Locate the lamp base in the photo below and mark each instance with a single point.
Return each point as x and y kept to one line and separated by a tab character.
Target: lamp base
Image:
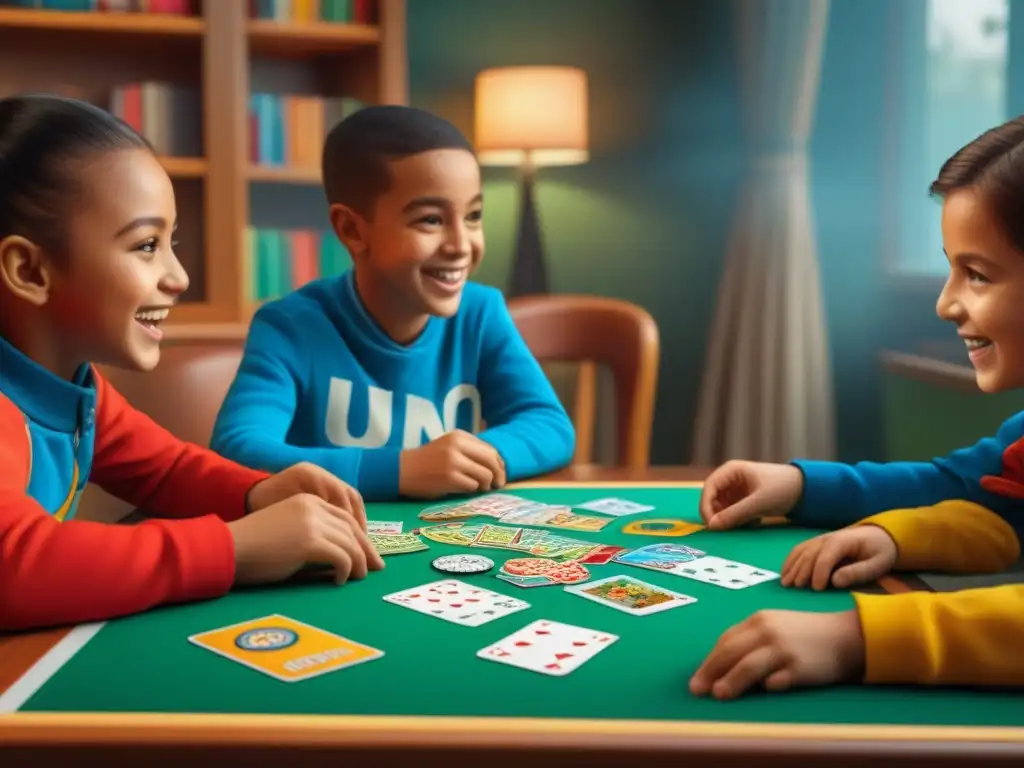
529	272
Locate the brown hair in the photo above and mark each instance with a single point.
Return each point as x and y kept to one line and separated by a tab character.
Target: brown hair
993	164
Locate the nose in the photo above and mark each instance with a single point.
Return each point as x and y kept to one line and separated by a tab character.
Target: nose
947	306
458	241
175	280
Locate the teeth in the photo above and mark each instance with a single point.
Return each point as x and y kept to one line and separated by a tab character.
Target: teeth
446	275
152	315
977	343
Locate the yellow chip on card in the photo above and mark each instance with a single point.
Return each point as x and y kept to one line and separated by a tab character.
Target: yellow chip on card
285	648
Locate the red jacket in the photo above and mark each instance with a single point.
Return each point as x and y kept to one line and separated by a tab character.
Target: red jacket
54	573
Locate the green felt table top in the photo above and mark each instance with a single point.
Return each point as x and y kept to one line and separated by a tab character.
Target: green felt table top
144	663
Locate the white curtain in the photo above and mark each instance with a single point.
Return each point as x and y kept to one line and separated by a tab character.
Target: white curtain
767	391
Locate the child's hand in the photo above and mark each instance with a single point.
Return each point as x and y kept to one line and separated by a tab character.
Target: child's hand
456	462
782	649
739	492
867	552
280	539
308	478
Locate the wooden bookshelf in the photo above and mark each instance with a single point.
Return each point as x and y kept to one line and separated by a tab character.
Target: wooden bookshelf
87	54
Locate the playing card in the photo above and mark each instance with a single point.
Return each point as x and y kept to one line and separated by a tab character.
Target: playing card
383	526
459	534
284	648
724	573
396	543
614	507
660	557
630	595
601	555
497	536
457	602
548	647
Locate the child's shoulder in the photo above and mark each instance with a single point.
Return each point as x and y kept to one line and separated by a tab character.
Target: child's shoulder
478	299
309	303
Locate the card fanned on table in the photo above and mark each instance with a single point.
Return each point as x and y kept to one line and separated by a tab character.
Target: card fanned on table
548	647
695	564
396	543
513	509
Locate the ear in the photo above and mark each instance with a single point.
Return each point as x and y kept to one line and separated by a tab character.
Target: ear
351	228
24	270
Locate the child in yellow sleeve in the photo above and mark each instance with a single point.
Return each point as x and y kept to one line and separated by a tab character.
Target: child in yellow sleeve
962	512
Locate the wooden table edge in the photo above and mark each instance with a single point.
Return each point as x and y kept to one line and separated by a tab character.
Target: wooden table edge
353	731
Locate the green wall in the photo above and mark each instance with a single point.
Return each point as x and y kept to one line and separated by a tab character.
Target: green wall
647	218
925	420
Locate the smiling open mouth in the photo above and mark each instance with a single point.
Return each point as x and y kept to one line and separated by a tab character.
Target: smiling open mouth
151	319
446	276
977	343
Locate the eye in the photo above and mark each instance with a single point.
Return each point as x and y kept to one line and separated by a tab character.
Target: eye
432	219
149	246
974	275
475	216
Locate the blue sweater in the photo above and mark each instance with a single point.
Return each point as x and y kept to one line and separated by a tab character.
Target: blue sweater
321	382
989	473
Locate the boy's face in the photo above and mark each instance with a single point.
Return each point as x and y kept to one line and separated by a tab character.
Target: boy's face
426	235
984	294
112	289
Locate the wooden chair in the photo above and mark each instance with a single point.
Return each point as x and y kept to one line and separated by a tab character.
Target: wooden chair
593	330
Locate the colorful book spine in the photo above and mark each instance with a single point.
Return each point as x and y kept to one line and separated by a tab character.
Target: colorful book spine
312	11
173	7
289	131
279	261
169	116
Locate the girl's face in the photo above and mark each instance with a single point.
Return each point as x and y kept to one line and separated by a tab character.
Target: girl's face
113	287
984	294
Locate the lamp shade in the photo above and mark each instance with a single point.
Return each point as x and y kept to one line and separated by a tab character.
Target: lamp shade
534	114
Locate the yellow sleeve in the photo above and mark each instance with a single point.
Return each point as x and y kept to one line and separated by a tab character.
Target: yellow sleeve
952	536
973	637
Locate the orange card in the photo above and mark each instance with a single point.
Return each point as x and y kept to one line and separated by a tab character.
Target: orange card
285	648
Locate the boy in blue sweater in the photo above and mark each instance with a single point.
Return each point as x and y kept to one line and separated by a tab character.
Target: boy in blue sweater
386	375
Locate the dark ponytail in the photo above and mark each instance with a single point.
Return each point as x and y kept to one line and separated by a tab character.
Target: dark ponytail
993	164
41	137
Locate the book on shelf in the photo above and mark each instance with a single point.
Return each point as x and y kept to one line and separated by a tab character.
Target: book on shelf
173	7
168	115
277	261
289	130
312	11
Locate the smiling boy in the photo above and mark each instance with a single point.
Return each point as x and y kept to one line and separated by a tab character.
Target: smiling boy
386	375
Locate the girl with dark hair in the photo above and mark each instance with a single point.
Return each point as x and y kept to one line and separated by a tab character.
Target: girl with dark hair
960	513
88	275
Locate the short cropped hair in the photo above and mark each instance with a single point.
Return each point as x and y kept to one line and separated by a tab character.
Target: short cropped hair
993	164
358	149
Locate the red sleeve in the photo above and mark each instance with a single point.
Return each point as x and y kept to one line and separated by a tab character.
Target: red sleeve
54	573
139	461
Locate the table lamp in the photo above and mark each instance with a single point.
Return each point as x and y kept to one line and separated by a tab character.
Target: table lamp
530	117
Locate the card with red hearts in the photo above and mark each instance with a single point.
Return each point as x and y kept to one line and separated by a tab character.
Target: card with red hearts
457	602
548	647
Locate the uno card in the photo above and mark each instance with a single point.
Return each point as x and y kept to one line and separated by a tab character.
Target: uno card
615	507
284	648
630	595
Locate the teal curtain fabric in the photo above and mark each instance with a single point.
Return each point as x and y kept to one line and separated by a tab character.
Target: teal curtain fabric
766	390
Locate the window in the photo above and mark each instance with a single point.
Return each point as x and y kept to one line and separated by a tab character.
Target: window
954	87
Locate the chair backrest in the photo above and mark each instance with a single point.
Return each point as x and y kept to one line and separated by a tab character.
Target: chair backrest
183	395
593	330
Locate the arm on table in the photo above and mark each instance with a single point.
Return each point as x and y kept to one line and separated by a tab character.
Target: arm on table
953	536
253	422
526	422
54	573
973	637
836	495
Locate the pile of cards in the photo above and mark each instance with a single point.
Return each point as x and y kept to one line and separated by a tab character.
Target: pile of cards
614	507
697	565
513	509
515	539
458	602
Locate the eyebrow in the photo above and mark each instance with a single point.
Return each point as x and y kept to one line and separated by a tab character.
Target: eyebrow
143	221
435	202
